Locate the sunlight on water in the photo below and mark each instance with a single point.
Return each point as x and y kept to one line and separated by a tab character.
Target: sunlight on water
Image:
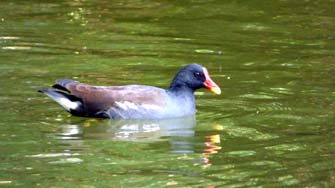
249	133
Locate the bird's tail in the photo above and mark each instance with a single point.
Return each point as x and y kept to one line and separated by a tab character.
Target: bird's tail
71	103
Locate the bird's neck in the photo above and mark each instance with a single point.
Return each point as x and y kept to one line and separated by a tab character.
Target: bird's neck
179	88
181	91
184	98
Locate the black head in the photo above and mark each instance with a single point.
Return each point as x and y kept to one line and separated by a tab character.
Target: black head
192	77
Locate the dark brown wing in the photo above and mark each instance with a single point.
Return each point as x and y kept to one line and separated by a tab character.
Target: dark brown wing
99	98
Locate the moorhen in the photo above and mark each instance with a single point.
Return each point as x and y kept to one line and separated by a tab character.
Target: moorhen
133	101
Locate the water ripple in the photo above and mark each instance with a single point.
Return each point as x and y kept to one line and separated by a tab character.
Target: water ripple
247	132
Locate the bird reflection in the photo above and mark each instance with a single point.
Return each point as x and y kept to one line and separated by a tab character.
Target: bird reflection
177	131
212	144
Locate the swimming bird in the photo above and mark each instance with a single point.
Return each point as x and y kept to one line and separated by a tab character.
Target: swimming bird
134	101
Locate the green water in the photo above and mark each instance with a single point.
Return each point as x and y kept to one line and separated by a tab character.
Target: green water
273	125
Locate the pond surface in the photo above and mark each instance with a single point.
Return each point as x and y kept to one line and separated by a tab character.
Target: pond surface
273	125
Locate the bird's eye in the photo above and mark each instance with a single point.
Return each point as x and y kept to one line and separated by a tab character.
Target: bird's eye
197	74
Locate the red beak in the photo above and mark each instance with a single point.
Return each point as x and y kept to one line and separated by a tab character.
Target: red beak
210	84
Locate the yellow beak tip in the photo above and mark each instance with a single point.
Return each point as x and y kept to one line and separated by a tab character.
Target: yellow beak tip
216	90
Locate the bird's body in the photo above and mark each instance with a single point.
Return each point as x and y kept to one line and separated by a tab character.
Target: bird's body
130	101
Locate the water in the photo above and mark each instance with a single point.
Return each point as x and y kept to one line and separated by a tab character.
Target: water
273	125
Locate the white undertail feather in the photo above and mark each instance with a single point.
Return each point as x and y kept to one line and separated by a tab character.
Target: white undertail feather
64	102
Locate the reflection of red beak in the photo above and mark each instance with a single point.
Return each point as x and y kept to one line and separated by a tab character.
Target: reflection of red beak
210	84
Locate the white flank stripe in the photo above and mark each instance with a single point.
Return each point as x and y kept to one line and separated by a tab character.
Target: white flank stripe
127	105
131	105
121	105
151	107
